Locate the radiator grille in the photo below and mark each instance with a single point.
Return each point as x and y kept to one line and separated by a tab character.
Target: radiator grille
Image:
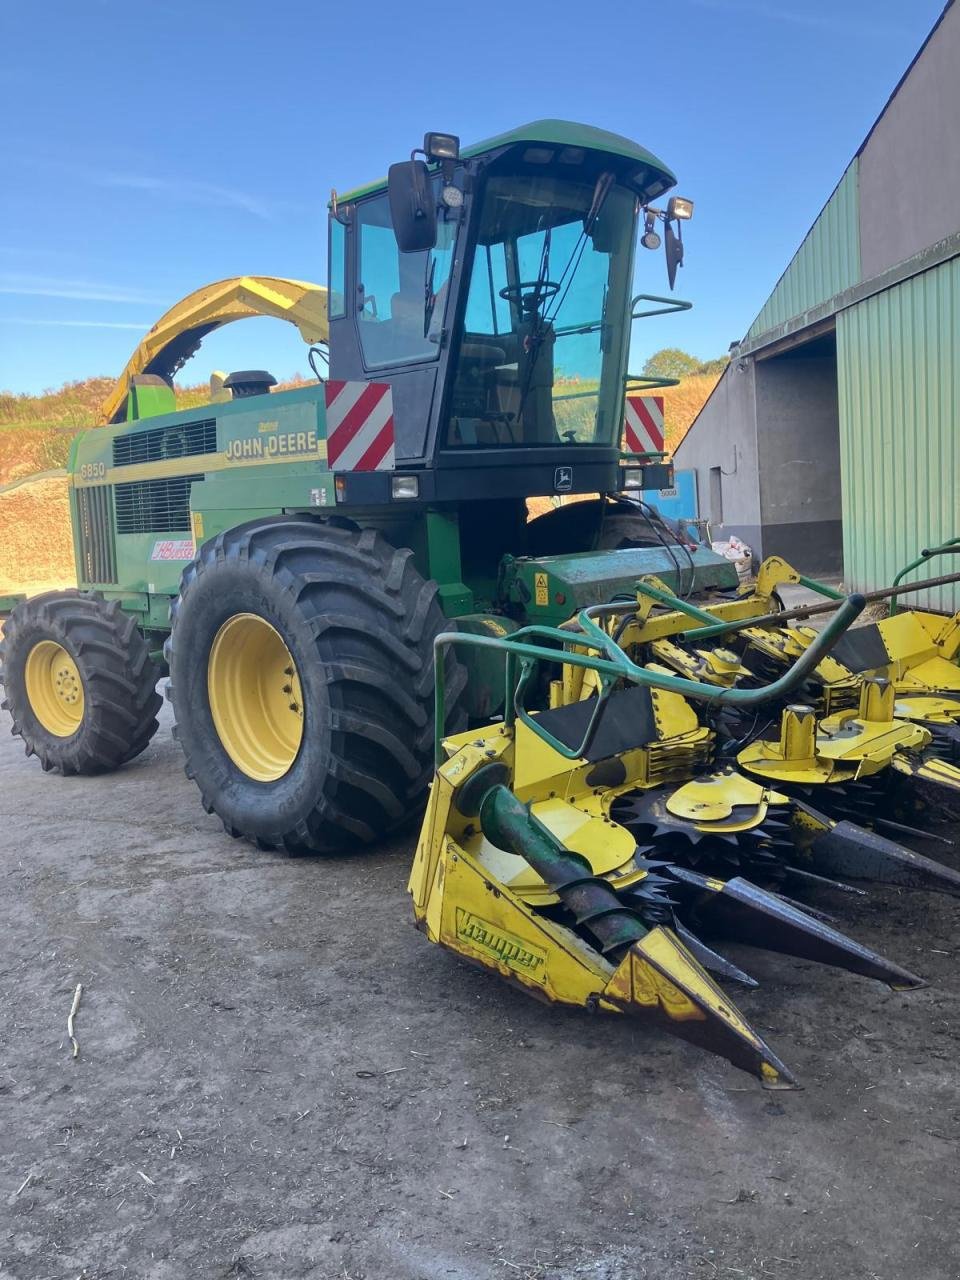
159	443
94	519
154	506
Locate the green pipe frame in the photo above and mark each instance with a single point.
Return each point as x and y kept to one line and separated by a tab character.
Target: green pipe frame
951	547
611	664
712	628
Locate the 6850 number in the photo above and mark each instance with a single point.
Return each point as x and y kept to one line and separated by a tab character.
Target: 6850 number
93	470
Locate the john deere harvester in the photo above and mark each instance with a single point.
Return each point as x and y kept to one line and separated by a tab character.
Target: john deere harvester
341	577
291	556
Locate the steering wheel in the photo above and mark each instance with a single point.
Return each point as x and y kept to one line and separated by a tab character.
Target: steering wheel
530	293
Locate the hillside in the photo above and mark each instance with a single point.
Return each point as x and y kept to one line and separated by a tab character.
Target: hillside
35	433
36	550
684	402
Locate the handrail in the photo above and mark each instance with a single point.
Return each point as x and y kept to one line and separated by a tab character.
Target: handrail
667	305
612	664
645	381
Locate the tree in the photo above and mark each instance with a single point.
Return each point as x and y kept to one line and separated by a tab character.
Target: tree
671	362
714	366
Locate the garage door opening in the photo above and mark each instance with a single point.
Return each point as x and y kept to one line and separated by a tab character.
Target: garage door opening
798	438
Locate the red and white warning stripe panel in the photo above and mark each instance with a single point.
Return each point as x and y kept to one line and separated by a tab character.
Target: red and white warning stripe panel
360	433
643	424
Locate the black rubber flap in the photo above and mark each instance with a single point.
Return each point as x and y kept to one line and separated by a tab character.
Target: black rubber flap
861	649
626	722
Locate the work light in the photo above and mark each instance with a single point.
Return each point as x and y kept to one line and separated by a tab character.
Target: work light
680	207
441	146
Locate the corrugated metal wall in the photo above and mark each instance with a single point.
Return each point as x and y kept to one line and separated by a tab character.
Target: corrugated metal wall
898	370
826	263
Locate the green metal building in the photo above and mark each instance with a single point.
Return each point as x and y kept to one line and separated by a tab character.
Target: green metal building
833	438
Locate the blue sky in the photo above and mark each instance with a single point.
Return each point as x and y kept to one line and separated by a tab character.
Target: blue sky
149	149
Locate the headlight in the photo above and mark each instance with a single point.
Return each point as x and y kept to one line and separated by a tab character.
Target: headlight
633	478
404	487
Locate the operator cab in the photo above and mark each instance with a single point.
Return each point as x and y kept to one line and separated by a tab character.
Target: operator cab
492	290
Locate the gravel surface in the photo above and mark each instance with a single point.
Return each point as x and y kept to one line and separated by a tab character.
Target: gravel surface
278	1077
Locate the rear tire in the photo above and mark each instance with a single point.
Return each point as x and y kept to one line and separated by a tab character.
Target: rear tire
78	681
324	741
629	529
592	526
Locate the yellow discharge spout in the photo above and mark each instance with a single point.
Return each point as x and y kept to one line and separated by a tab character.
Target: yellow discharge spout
178	333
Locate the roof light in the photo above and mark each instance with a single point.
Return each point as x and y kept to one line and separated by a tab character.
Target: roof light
441	146
538	155
679	207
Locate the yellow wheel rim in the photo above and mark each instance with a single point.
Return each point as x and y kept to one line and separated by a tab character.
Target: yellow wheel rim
54	688
255	697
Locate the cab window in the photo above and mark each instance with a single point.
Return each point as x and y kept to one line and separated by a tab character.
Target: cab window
337	292
401	296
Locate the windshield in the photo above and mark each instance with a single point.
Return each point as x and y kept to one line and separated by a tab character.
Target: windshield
544	332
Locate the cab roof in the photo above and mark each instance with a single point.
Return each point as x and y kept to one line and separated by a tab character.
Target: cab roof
564	133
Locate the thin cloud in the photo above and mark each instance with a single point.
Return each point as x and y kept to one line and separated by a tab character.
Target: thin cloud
77	324
34	286
174	189
774	12
187	190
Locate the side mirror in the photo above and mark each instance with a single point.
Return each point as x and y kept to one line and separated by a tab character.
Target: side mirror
413	209
673	247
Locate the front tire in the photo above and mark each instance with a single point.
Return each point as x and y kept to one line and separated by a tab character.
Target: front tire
301	676
78	681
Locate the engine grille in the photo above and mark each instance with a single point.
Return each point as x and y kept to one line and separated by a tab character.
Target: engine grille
95	534
154	506
159	443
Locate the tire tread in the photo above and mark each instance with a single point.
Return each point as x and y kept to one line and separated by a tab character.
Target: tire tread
119	679
372	619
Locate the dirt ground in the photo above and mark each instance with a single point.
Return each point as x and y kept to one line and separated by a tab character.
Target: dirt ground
278	1078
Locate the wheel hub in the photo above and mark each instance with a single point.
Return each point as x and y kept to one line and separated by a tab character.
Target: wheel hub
54	688
256	700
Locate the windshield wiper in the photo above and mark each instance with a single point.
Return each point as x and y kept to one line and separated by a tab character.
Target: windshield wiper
429	297
601	190
600	193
